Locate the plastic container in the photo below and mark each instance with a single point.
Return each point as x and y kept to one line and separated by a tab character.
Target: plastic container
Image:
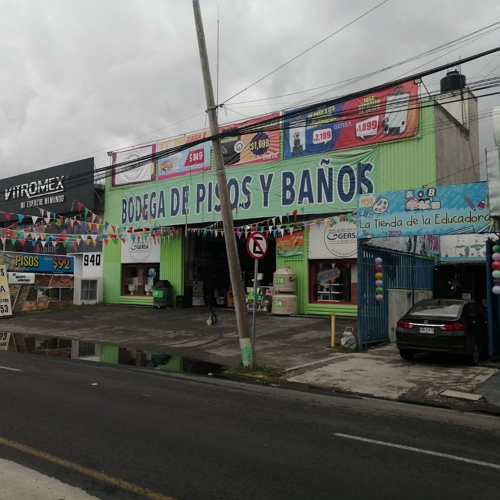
284	280
285	304
163	294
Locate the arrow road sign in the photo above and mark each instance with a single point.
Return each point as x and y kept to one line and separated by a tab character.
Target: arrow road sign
257	245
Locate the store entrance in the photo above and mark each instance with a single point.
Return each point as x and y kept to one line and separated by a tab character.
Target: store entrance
207	269
461	281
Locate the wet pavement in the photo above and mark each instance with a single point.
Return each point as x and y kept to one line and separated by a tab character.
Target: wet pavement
287	342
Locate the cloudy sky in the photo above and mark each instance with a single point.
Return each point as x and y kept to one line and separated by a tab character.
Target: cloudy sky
80	78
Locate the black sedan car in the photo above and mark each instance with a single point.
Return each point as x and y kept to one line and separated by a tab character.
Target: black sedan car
443	325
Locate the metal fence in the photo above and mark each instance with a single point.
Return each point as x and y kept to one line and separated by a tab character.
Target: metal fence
493	304
401	272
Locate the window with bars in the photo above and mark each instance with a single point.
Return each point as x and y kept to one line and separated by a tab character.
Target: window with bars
88	290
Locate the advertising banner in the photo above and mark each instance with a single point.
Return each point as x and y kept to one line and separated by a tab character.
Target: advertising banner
308	185
49	264
54	189
251	148
128	175
291	245
21	278
5	305
455	209
463	248
383	116
421	245
189	161
337	241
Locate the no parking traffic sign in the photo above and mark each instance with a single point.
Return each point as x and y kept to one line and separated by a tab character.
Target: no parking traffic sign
257	245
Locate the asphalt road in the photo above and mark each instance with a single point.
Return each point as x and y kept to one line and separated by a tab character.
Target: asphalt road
143	434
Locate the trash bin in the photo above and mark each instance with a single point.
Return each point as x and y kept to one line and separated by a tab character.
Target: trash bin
163	294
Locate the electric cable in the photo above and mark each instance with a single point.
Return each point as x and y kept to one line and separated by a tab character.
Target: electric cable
307	50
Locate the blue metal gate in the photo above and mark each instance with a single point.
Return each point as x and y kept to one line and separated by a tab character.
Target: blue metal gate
493	304
400	271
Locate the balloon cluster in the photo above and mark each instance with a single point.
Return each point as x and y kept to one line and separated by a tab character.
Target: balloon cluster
379	284
495	265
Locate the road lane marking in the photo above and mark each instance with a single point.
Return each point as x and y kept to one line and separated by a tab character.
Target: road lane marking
12	369
418	450
86	471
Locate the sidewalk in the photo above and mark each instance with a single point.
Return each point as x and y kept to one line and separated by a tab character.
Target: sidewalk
19	482
380	372
283	341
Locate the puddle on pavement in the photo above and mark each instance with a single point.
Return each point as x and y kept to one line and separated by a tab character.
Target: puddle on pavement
74	349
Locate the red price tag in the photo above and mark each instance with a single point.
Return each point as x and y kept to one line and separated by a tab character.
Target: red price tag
195	157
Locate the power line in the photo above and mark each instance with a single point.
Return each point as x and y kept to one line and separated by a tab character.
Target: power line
307	50
494	26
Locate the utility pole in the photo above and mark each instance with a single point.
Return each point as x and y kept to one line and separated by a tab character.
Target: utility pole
242	320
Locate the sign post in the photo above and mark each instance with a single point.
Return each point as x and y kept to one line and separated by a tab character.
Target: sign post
257	249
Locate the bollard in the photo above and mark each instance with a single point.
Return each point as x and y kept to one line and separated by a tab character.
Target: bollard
332	330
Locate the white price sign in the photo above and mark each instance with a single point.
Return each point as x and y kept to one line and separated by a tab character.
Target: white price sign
4	340
5	306
367	127
322	136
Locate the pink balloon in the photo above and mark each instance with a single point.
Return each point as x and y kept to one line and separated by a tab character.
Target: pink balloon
378	298
496	257
496	290
378	268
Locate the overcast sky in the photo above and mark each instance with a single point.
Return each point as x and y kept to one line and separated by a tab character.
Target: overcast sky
80	78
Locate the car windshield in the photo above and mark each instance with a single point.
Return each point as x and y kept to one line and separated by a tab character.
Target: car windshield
436	310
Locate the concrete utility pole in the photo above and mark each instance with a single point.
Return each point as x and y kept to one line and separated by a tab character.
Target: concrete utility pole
227	216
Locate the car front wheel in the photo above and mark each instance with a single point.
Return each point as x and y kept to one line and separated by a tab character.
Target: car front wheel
405	354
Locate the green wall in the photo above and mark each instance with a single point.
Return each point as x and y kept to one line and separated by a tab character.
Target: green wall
111	272
109	354
174	364
409	163
172	263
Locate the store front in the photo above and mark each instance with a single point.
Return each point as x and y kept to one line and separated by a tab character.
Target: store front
298	181
392	281
140	269
461	269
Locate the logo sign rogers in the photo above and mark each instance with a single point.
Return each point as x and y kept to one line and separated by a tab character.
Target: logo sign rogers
340	239
140	251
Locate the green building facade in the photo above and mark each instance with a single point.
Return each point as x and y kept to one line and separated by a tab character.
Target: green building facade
193	241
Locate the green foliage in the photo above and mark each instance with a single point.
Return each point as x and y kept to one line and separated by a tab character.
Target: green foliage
259	371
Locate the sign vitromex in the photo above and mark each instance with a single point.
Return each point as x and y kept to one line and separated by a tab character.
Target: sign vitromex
53	189
49	189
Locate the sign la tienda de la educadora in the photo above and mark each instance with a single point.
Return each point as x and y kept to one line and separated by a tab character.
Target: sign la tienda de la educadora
319	183
454	209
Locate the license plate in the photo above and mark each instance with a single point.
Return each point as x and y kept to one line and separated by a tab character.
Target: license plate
426	329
